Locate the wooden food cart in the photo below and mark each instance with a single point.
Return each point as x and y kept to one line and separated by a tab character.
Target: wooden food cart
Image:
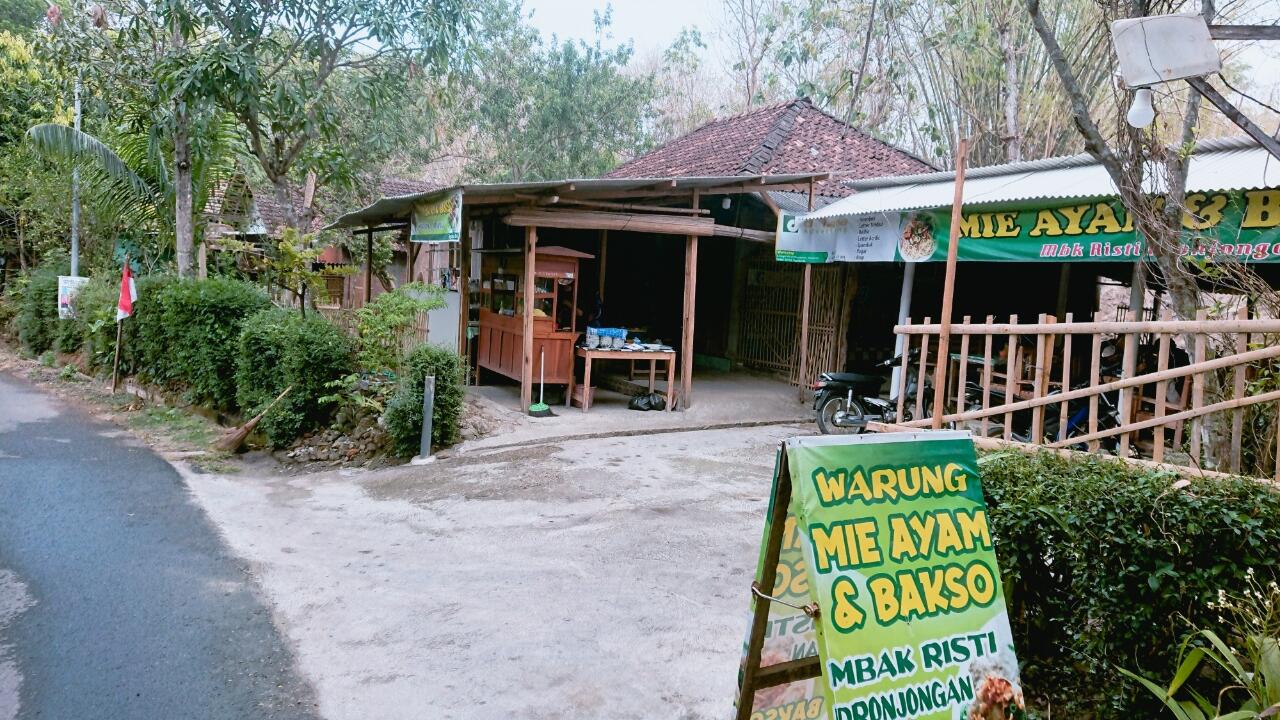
555	312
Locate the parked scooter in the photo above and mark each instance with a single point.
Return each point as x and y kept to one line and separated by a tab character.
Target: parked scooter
846	402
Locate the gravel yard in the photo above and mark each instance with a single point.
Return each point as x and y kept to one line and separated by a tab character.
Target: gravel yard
594	578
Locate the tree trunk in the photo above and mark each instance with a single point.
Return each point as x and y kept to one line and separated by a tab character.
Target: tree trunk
183	224
22	244
184	230
1012	132
285	200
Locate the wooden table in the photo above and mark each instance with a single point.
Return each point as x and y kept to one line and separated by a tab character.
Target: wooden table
653	356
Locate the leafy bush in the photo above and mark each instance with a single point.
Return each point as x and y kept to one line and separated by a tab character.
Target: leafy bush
188	333
381	324
1106	566
404	412
37	319
279	348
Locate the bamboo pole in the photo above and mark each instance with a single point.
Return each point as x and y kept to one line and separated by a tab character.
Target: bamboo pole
1162	392
1094	390
690	314
1197	391
962	376
1237	391
1095	367
1063	409
902	376
805	291
1126	396
1012	373
921	374
1184	415
986	376
949	287
1145	327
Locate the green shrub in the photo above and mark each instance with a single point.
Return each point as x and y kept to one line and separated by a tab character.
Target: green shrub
279	348
186	333
1106	566
404	412
381	324
37	319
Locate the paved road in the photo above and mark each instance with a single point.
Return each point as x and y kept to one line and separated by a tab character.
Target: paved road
118	599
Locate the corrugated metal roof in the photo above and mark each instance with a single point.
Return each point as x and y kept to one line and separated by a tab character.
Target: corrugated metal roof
398	208
1224	164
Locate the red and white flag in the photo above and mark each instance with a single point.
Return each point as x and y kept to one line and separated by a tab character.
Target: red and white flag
128	294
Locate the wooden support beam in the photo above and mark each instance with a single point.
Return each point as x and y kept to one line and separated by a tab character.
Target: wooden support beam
1237	391
690	311
763	236
604	261
368	266
595	220
948	286
1244	32
604	204
526	361
767	199
464	295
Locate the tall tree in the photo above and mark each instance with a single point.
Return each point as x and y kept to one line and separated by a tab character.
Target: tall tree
553	109
278	65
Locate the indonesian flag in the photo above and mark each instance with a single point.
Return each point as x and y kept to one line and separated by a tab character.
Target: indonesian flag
128	294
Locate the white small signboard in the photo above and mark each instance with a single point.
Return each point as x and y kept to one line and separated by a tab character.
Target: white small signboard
68	286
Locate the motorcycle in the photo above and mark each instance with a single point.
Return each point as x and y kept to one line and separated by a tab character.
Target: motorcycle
846	402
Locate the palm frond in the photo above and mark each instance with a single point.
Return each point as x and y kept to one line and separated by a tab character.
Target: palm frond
68	143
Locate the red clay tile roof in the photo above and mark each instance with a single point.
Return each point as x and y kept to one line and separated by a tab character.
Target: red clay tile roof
789	137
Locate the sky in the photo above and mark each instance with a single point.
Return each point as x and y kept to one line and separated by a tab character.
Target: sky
651	24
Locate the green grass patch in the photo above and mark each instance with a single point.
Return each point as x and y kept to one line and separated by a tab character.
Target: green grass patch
178	425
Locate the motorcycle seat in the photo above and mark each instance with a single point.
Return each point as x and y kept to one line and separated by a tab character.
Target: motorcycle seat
852	378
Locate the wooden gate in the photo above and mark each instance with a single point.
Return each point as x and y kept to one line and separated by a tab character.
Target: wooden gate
769	318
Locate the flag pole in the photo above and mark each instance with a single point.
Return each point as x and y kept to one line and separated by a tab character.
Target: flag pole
115	366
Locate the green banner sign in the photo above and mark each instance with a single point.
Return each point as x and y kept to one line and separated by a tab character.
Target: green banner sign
438	219
1240	225
912	620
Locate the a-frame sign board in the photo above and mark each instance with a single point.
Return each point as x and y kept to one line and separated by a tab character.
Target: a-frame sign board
882	542
754	677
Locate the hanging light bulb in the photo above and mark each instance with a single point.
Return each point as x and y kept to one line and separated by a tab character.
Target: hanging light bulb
1141	113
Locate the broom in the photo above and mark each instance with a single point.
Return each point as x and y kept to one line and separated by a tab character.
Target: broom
234	438
541	409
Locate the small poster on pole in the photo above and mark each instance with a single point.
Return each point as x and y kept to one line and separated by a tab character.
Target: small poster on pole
903	587
68	286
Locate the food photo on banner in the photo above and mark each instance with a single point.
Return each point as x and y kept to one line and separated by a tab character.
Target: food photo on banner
897	564
1240	225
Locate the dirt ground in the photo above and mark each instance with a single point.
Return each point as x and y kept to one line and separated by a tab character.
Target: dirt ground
603	578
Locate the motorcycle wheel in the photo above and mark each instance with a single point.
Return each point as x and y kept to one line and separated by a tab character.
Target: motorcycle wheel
854	420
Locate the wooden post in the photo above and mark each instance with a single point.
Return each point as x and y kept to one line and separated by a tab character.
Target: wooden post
1012	376
963	375
1063	414
464	296
526	360
604	261
690	307
986	374
806	288
1162	392
202	260
368	265
921	372
1095	364
115	364
948	288
1064	289
1127	369
1197	391
1237	392
901	384
806	284
1038	380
